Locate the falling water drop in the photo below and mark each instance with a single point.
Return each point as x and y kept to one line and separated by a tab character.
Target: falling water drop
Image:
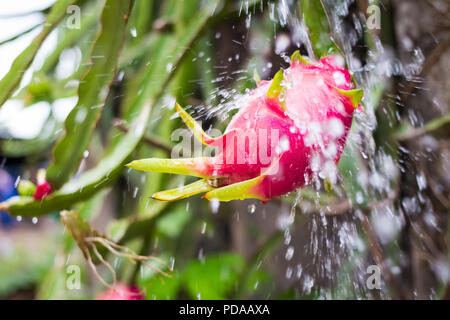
16	183
289	253
214	205
308	283
172	263
201	256
203	228
248	21
359	197
288	272
287	237
169	67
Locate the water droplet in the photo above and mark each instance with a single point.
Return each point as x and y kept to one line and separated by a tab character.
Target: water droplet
359	197
203	228
299	271
16	183
289	253
282	43
172	263
288	272
214	205
335	127
339	78
169	67
284	143
251	209
308	283
287	237
248	21
34	220
421	181
201	256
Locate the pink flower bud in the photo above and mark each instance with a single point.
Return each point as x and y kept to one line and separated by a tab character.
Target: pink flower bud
42	190
121	292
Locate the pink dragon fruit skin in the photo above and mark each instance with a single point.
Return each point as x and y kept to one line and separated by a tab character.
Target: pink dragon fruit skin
309	105
121	292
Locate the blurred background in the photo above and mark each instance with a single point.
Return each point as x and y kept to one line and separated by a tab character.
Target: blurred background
87	86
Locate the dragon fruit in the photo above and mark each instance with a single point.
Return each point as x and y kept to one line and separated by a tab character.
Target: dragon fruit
286	132
121	292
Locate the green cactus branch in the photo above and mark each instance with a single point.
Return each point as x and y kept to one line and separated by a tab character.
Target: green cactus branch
109	168
81	121
12	79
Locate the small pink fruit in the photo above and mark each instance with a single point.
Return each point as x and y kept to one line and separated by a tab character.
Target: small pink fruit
42	190
286	132
121	292
43	187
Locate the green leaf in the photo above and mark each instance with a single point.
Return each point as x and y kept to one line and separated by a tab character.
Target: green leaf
213	278
319	30
160	288
81	121
12	79
172	224
142	18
